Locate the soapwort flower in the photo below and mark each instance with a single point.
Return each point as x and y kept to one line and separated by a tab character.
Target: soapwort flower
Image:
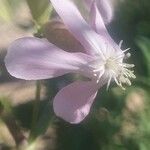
102	61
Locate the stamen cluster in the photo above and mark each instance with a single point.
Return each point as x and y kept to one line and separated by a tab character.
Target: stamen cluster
113	68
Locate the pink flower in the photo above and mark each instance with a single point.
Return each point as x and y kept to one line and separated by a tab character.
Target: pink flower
32	58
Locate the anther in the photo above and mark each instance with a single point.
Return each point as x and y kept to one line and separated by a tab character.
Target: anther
128	55
128	65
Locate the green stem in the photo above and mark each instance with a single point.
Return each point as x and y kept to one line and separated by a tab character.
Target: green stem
35	110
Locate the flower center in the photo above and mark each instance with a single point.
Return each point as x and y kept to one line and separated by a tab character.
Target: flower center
113	68
111	64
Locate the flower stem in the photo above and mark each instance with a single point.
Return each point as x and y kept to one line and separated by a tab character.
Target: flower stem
35	110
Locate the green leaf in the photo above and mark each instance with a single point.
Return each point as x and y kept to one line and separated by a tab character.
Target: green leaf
144	45
40	10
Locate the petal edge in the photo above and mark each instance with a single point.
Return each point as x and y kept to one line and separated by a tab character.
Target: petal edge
74	101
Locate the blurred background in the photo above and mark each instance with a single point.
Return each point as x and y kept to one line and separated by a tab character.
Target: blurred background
119	120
